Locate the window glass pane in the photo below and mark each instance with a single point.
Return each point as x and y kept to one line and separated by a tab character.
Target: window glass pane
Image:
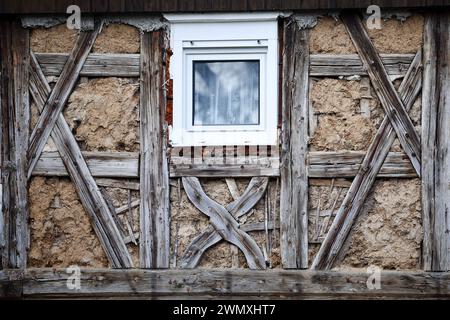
226	92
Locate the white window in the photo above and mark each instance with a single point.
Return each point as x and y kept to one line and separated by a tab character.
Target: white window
225	79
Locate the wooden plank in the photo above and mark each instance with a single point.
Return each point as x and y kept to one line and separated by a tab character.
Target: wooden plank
88	191
268	167
224	223
391	102
154	172
435	143
335	65
259	226
96	65
118	183
251	196
101	164
353	203
235	193
341	183
14	121
346	164
220	162
201	6
60	94
204	283
294	145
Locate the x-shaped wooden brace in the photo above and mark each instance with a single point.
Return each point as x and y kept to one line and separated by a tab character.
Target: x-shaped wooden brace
51	122
395	123
223	222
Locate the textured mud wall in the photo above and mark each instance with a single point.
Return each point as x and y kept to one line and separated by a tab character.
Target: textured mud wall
340	124
395	36
114	38
61	234
388	234
188	222
103	115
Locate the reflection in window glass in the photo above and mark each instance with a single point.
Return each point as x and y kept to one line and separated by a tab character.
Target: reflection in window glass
226	92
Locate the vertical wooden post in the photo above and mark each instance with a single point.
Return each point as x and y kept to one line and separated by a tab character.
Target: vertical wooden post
436	143
15	116
154	175
294	146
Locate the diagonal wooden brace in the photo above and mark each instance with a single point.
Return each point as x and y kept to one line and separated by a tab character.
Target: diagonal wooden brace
224	223
54	104
87	189
390	100
253	193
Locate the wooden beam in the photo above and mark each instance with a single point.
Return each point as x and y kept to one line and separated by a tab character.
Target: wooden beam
154	173
96	65
335	65
14	128
226	284
247	167
294	145
88	191
436	143
353	203
391	102
346	164
101	164
224	223
118	183
54	105
238	208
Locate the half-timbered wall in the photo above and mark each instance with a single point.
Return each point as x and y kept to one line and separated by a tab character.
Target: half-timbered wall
102	187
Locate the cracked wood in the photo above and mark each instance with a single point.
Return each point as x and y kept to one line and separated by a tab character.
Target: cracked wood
154	239
370	167
390	100
55	103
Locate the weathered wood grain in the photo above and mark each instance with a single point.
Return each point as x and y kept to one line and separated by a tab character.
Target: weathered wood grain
294	145
234	191
435	143
96	65
88	191
14	122
101	164
249	284
259	226
223	223
390	100
154	173
251	166
250	197
345	164
335	65
353	203
60	94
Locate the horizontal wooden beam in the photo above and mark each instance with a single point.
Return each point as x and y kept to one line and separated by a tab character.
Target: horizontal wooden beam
101	164
96	65
127	65
345	164
185	284
251	166
321	164
329	65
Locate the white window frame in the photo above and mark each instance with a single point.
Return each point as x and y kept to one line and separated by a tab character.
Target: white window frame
217	36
